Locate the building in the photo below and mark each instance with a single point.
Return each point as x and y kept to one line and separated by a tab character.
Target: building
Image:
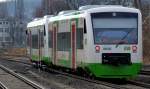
5	37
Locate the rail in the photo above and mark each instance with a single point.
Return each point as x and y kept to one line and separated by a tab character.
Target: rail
27	81
2	86
145	72
142	84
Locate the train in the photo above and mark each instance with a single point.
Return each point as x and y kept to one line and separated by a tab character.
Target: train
103	41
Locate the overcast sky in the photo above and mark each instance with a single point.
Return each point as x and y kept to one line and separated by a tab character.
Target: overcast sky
29	6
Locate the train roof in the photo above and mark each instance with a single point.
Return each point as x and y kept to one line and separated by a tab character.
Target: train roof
81	13
39	21
92	9
110	8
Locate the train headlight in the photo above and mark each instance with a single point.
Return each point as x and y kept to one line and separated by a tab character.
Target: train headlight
97	48
134	49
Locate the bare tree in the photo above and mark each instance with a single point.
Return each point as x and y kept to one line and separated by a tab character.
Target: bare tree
138	4
19	23
146	34
51	7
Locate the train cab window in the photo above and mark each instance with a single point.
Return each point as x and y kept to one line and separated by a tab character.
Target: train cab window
64	41
79	38
115	28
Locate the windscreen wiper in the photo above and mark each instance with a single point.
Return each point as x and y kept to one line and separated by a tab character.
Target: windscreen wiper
120	42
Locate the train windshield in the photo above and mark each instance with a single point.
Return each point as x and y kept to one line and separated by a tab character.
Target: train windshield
115	28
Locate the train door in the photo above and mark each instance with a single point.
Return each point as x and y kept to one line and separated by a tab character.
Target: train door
39	48
73	44
54	49
50	42
35	44
41	44
29	43
80	30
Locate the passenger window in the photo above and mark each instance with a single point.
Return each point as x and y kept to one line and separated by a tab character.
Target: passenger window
44	31
85	27
79	38
50	39
64	41
42	38
35	41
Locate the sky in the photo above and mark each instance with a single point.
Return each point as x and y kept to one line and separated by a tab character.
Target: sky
29	7
2	0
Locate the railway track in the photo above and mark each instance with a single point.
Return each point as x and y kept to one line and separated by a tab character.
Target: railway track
115	86
145	72
108	84
15	81
138	83
13	60
2	86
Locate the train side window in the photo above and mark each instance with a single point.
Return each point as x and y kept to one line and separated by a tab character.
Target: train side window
85	26
42	38
26	32
28	39
50	39
64	41
44	31
35	41
79	38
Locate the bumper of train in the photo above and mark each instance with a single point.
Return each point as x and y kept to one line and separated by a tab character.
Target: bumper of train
110	71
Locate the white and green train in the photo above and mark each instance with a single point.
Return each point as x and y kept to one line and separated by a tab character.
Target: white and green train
104	41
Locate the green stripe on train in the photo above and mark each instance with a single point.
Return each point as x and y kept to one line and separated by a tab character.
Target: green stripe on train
46	60
35	58
64	62
103	70
108	71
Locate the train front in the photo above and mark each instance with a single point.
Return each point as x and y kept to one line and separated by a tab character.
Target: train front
116	48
